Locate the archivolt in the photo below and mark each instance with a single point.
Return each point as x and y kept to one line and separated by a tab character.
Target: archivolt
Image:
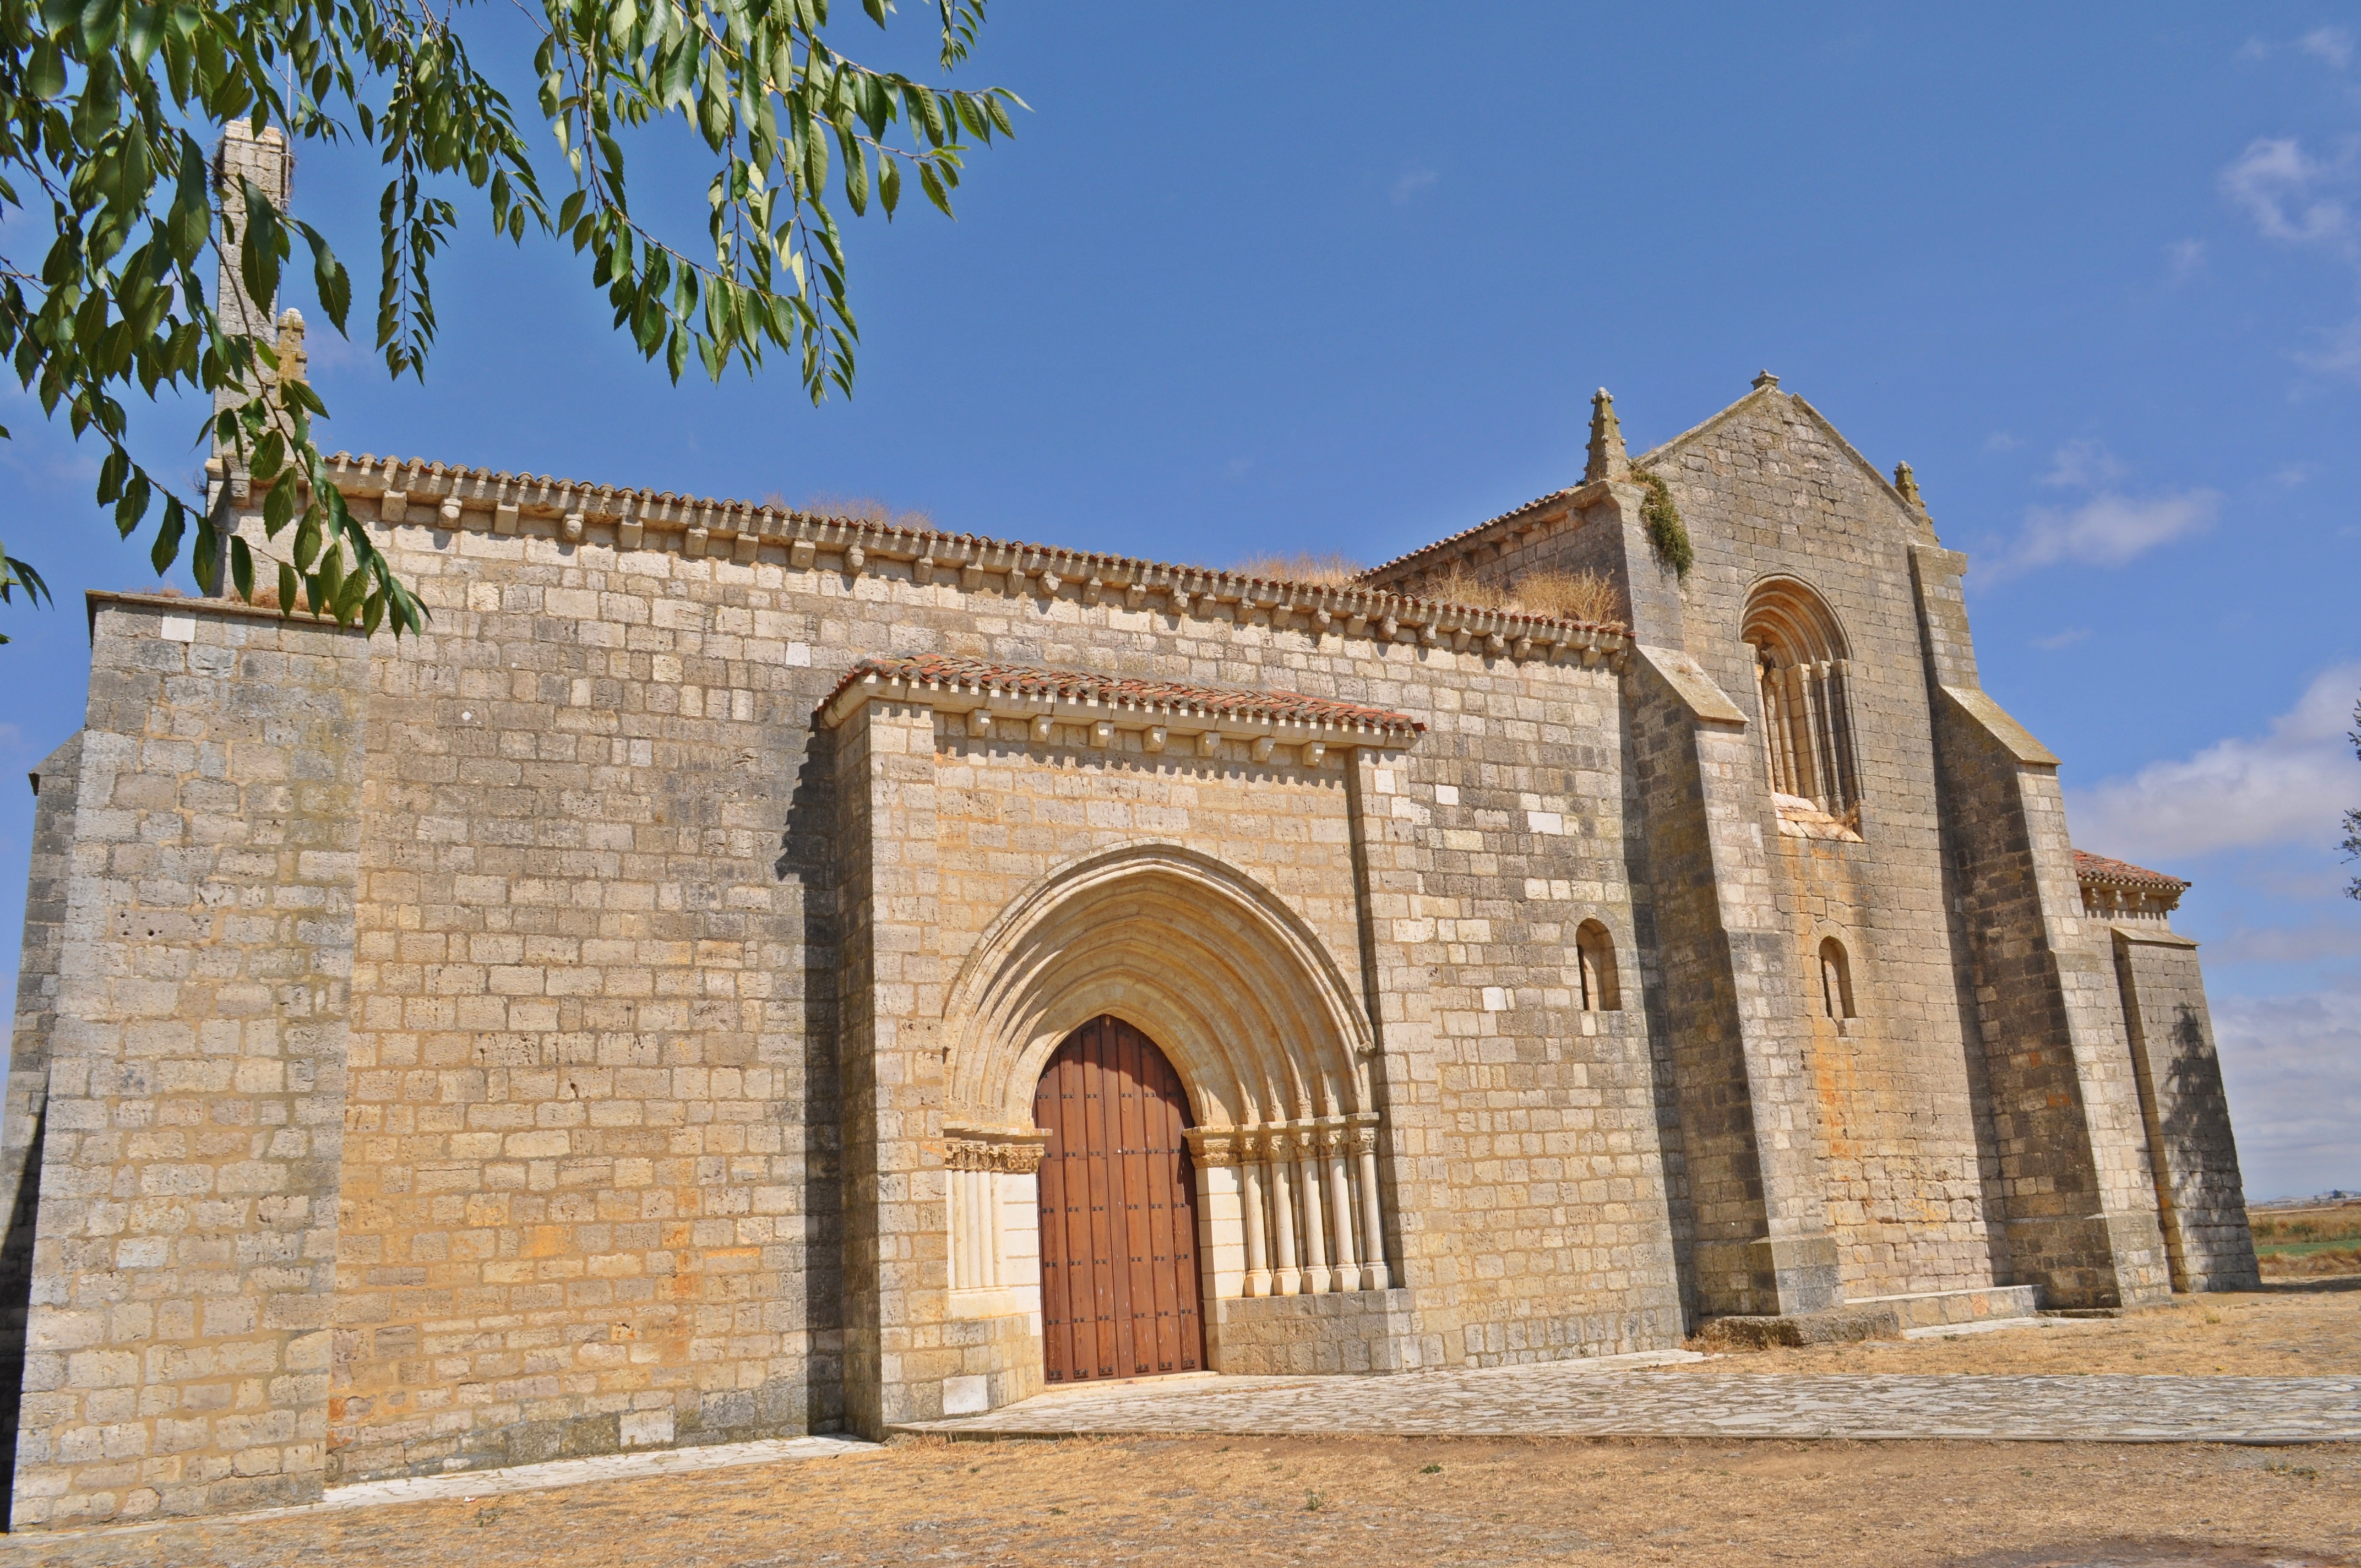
1237	991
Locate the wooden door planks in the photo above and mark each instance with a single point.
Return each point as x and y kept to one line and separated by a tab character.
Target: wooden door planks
1119	1288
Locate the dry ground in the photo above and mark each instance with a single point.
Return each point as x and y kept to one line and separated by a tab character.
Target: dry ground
2308	1328
1371	1503
1380	1503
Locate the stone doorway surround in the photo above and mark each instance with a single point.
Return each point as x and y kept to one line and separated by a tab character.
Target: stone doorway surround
942	1054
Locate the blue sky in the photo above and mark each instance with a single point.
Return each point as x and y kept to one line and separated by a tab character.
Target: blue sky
1342	278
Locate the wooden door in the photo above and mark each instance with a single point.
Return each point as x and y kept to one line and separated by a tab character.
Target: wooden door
1118	1211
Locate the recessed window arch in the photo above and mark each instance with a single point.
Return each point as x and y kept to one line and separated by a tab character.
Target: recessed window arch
1602	989
1836	982
1802	677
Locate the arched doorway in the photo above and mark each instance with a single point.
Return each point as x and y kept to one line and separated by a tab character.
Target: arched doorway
1119	1288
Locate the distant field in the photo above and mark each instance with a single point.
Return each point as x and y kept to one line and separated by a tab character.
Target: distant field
2326	1240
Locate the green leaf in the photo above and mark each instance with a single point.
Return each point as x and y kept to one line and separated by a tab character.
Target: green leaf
167	548
856	176
287	588
261	248
328	277
44	75
933	188
204	561
889	184
241	566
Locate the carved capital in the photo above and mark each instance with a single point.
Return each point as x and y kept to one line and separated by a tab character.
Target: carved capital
1013	1151
1218	1146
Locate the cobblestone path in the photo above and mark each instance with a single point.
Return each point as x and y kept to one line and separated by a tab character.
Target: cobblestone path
1568	1400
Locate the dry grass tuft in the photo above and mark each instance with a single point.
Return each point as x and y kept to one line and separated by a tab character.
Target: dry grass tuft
2298	1242
1567	596
855	509
1314	571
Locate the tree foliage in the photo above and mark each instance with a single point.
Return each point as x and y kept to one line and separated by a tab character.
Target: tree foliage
105	109
2353	817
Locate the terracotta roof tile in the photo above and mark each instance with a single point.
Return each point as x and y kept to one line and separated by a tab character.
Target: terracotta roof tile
1078	685
2099	867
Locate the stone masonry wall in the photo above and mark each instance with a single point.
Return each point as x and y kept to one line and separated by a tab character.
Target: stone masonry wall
2067	1154
37	981
640	1098
590	1198
1769	489
2201	1201
594	1058
179	1344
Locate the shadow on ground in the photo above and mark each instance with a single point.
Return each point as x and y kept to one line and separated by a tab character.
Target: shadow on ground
2146	1554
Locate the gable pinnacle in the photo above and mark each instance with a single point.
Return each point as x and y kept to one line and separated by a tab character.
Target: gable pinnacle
1609	460
1906	484
1765	382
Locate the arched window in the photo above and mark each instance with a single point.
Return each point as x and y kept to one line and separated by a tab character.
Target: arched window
1801	677
1836	982
1601	993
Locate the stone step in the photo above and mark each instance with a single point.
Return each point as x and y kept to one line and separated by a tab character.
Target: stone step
1938	1309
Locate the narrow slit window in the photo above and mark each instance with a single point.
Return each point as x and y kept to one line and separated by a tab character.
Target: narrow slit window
1602	991
1836	982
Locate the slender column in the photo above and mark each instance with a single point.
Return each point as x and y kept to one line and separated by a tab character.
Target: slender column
994	1252
959	1231
1766	693
1340	1195
1373	1233
1288	1280
1317	1276
960	1280
979	1269
1840	717
1800	736
1823	692
1256	1218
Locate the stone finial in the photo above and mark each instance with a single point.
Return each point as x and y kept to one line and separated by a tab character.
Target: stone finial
1765	382
1906	484
294	359
1609	460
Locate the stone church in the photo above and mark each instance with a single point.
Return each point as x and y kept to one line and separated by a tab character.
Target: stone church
742	973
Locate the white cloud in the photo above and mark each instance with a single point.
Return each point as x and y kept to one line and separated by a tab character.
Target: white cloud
1413	182
2063	639
2002	441
2291	786
2322	938
2183	260
2333	45
2339	355
2081	465
2108	530
2291	195
2293	1066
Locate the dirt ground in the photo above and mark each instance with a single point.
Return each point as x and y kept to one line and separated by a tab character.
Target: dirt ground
1372	1502
1393	1503
2308	1328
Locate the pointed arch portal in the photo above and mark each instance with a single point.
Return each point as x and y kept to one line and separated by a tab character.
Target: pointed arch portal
1238	994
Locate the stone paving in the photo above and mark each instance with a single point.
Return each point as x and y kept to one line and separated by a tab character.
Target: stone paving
1581	1400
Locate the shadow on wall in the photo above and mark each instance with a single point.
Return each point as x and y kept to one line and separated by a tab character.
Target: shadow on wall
807	859
16	1307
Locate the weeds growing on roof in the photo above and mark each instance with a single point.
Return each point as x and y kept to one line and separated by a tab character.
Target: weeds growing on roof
1313	571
